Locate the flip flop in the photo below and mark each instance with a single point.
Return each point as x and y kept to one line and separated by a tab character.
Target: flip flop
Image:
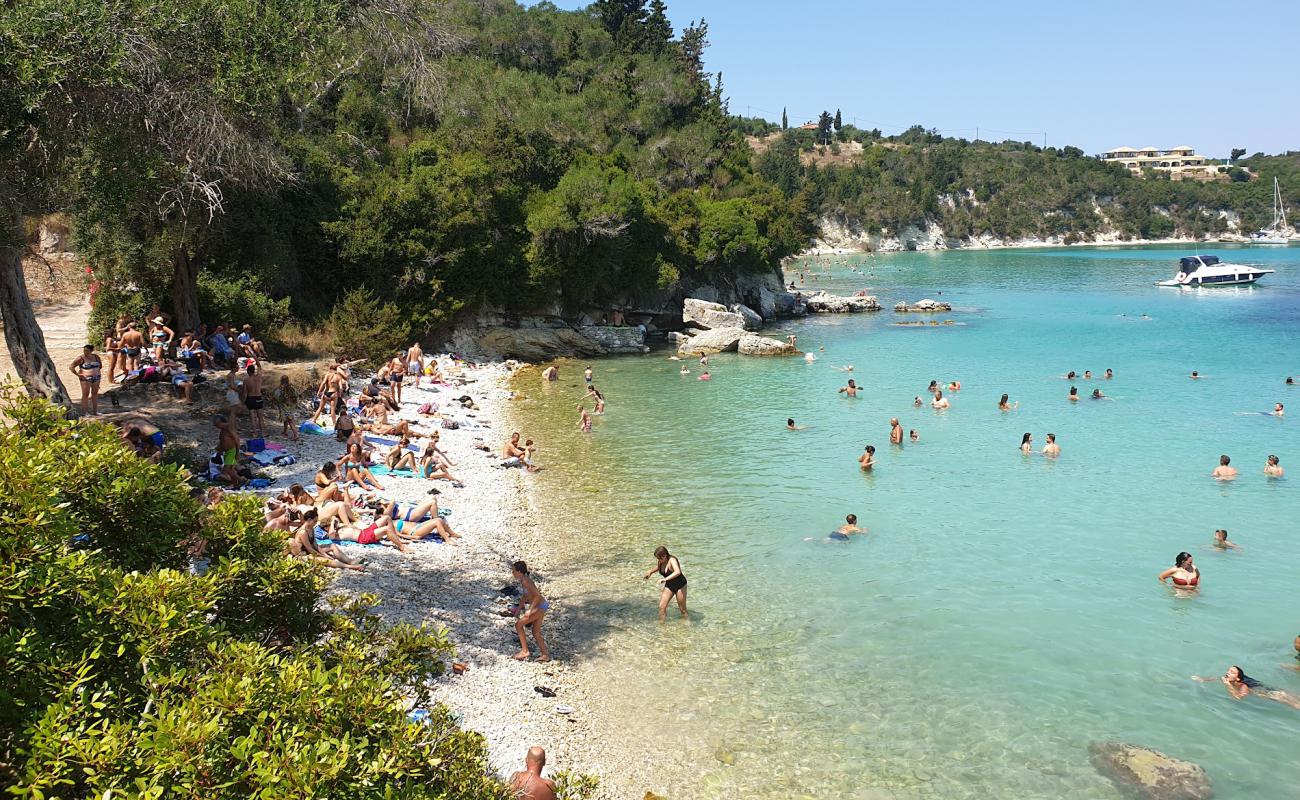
564	709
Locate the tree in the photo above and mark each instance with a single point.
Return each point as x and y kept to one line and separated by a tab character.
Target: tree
159	105
658	28
838	121
785	121
1237	152
824	124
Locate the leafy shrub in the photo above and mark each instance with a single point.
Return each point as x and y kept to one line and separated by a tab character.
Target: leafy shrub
241	301
110	303
362	326
126	675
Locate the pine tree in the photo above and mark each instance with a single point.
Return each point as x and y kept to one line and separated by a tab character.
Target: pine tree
824	123
838	120
659	30
785	121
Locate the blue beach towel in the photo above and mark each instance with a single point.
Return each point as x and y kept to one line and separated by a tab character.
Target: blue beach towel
313	429
384	440
380	469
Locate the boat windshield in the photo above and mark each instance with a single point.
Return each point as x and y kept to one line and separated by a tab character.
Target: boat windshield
1191	263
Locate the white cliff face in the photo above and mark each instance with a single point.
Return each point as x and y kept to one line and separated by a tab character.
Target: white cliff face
840	235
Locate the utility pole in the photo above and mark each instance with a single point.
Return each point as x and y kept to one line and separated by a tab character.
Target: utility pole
977	133
1044	140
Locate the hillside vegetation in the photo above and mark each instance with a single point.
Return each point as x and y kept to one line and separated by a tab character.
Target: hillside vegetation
1009	190
437	154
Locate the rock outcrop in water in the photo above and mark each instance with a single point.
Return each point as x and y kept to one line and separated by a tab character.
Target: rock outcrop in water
1147	774
922	306
827	303
751	344
722	340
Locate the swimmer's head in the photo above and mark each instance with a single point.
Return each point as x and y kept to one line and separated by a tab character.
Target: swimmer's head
1290	381
871	449
1195	374
1026	439
1070	375
852	519
851	383
1051	437
1004	400
894	422
1183	559
1272	461
1224	461
1220	535
1074	391
789	421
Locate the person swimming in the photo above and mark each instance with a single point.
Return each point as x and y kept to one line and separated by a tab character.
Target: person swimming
1195	375
1027	443
1225	471
1097	395
868	458
850	527
1273	467
1240	685
790	426
1278	410
1110	373
1221	541
1069	376
939	401
849	391
1074	394
1051	448
684	370
705	376
1183	573
914	436
917	402
1005	403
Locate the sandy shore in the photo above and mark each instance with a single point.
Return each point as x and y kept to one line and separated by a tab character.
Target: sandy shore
458	586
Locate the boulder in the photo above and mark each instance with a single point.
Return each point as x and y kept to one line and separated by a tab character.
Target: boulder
751	344
676	337
719	340
693	309
1147	774
751	321
922	306
826	303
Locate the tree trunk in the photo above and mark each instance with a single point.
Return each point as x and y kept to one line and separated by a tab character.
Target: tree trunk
22	334
185	291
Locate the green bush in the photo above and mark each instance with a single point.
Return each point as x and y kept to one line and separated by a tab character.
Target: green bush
241	301
126	675
362	326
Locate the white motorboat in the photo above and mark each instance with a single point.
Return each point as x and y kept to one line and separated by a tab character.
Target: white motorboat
1277	232
1210	271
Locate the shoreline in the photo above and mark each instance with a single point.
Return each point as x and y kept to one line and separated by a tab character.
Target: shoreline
457	587
827	250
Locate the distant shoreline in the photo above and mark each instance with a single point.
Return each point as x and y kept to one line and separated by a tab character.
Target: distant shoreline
827	250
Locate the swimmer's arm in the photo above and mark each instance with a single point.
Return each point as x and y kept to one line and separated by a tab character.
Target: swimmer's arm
1165	575
1204	680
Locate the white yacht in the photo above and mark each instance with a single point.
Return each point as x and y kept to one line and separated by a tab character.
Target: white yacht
1277	232
1210	271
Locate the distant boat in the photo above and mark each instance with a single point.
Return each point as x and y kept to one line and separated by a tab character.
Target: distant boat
1275	233
1210	271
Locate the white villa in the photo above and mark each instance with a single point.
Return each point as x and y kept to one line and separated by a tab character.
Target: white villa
1181	162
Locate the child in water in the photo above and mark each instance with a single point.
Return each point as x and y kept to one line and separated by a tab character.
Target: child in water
584	421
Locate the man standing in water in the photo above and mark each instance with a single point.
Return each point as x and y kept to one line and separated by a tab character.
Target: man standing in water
939	400
849	391
895	432
1051	448
529	784
1224	472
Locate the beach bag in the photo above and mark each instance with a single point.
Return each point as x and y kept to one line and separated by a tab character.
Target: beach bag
426	408
450	424
256	445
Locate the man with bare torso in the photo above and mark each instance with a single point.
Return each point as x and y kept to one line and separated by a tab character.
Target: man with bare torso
895	432
529	784
332	392
228	449
132	344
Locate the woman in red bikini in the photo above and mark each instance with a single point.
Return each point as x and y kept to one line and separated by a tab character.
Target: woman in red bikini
1184	573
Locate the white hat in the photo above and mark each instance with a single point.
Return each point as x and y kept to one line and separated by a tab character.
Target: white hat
158	320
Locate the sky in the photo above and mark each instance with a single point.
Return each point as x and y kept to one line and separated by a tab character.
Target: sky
1095	75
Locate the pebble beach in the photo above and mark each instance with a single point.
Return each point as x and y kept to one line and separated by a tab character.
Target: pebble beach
458	585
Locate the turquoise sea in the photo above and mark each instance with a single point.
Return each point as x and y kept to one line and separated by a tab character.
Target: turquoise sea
1004	611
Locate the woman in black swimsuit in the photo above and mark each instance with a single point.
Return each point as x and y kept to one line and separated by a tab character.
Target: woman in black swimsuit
673	580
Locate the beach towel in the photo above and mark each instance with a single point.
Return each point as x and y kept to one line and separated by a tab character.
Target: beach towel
266	458
385	441
313	429
435	539
274	446
380	469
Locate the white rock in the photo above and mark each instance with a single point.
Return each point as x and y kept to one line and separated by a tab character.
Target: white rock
750	319
712	341
751	344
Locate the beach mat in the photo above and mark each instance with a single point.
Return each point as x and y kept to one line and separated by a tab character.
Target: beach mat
384	440
380	469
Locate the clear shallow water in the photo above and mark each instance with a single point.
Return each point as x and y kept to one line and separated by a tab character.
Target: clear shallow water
1003	612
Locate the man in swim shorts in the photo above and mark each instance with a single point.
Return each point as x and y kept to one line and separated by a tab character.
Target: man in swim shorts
228	449
850	527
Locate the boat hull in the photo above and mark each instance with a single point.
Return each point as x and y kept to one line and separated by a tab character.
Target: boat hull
1239	279
1270	240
